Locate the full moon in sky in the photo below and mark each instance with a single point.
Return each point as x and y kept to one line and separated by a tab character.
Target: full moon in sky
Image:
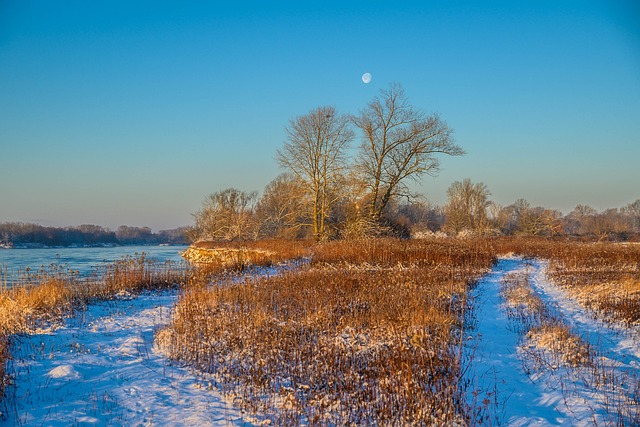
366	77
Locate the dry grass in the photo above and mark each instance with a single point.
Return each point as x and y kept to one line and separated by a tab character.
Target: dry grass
4	357
213	259
542	328
559	340
369	334
278	250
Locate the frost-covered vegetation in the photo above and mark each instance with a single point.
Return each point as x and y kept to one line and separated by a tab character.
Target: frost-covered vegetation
367	333
372	331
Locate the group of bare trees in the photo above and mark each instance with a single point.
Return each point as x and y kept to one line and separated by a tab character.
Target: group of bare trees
330	190
326	192
17	234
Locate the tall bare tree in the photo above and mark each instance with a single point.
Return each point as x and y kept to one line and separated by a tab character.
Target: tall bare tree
399	143
281	209
632	210
315	152
467	206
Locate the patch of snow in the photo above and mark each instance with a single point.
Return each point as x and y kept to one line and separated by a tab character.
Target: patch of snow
102	369
63	371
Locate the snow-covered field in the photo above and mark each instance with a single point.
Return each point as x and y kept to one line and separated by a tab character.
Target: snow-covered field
101	368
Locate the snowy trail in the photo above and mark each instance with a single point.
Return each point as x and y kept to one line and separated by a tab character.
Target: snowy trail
496	372
101	369
499	386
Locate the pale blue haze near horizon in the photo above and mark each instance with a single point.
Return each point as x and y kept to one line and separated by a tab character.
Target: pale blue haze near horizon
125	112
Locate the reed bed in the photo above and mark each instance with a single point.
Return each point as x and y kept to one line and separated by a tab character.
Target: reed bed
433	253
277	250
368	334
211	260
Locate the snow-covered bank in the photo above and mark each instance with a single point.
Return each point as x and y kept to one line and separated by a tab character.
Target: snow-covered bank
504	389
101	368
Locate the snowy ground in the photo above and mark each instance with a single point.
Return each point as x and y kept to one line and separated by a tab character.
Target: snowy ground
509	393
101	368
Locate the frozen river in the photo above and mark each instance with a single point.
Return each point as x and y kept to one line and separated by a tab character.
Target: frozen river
14	262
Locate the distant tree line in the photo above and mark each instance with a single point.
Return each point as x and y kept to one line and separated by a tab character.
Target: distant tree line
34	235
469	211
329	190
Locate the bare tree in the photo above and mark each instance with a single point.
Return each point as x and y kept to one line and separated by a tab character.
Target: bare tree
283	207
467	206
500	218
315	152
398	143
577	221
585	220
225	215
536	221
632	210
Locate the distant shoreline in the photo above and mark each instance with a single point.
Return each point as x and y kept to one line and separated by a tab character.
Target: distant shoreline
75	246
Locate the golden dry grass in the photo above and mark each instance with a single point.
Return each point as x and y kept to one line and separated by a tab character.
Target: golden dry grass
557	339
370	333
541	328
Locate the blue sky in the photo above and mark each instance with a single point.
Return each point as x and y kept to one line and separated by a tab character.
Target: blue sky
124	112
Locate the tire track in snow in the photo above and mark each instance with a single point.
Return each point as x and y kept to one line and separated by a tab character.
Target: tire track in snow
500	391
618	344
610	389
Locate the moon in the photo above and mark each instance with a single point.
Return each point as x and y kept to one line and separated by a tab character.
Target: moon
366	78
